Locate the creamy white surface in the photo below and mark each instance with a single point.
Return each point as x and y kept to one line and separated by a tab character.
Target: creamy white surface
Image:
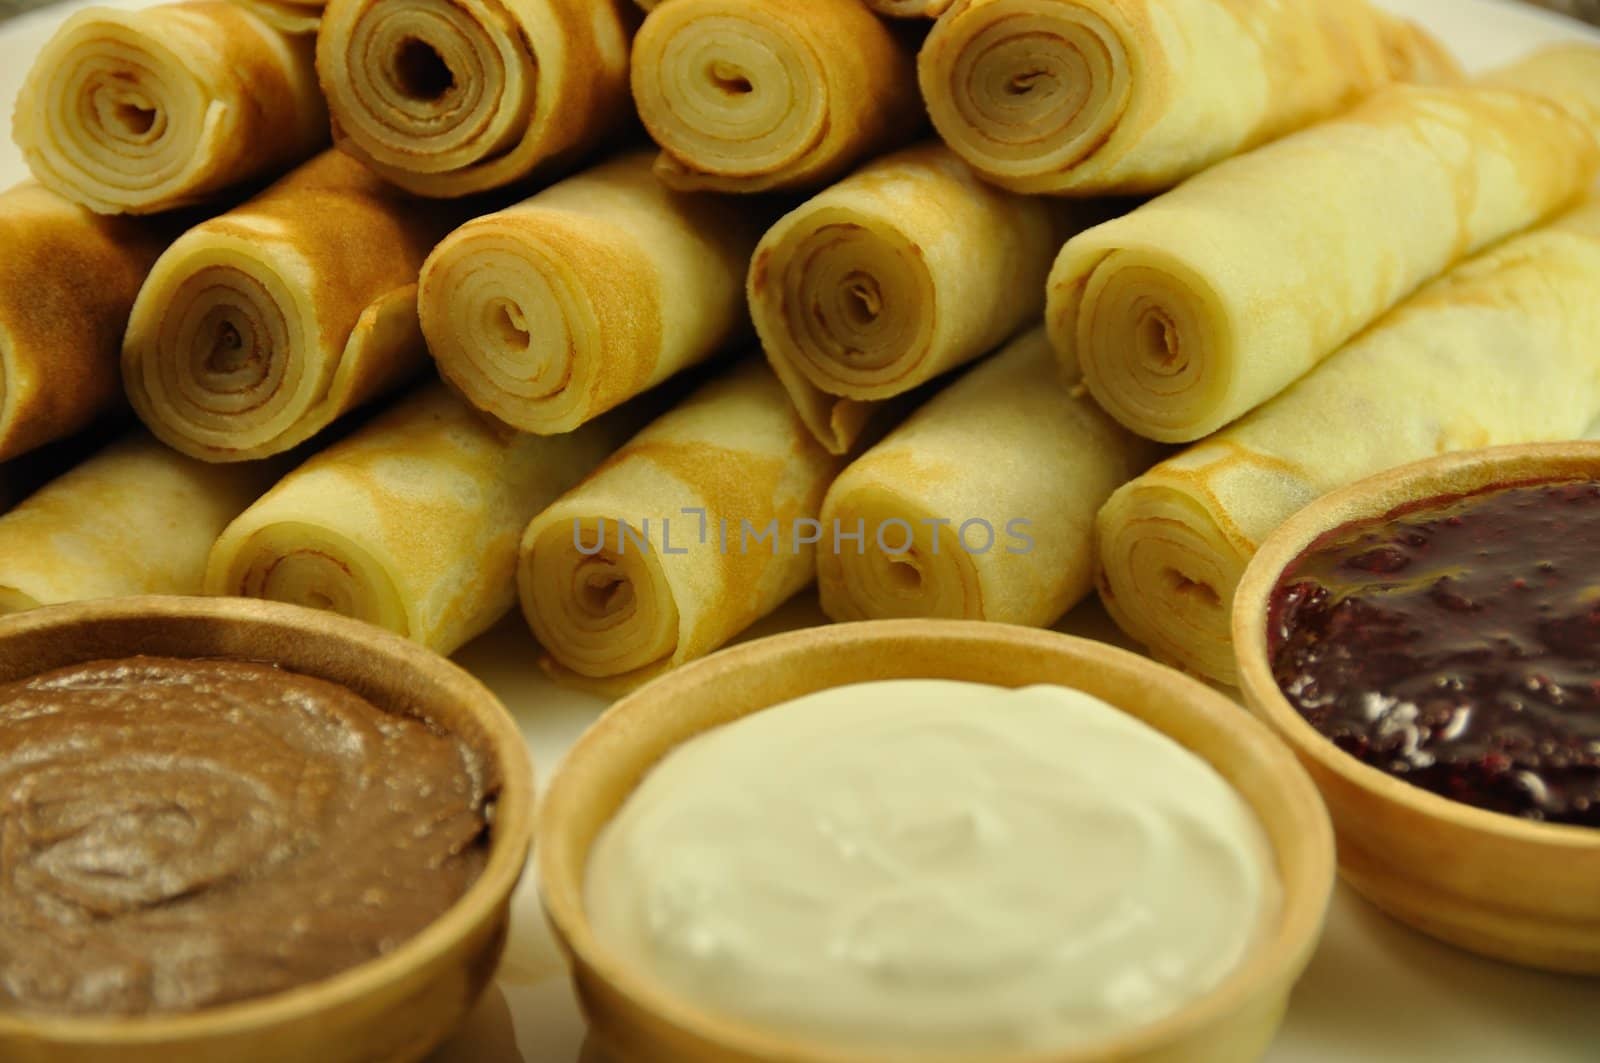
1375	990
934	865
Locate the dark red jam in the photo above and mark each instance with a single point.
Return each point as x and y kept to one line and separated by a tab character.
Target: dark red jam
1455	644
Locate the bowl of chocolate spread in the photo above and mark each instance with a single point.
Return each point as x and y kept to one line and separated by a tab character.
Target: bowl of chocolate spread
245	830
1428	641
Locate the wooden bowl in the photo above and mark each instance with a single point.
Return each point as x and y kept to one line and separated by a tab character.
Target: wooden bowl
394	1008
1232	1024
1501	886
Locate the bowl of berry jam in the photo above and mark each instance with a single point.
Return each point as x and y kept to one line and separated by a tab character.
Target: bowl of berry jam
1428	642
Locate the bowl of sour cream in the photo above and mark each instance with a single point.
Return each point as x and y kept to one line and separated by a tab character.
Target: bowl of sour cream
933	841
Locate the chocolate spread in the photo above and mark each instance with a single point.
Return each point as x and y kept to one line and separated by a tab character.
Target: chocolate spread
176	834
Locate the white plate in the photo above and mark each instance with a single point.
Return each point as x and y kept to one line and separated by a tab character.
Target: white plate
1375	991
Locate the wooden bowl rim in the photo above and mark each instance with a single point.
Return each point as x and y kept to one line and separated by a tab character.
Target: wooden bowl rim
1275	958
511	830
1461	472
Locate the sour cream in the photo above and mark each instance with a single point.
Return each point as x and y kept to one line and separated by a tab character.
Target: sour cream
938	866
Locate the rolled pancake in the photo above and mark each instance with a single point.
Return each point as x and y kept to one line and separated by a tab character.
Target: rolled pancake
1207	301
685	537
412	523
981	506
1567	75
21	476
751	95
1090	97
568	304
291	16
68	278
137	518
447	98
908	268
143	111
260	327
910	8
1500	350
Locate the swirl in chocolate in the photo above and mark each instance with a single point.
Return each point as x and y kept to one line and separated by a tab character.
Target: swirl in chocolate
176	834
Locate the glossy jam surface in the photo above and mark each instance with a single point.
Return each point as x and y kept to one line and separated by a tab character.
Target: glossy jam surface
178	834
1456	645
